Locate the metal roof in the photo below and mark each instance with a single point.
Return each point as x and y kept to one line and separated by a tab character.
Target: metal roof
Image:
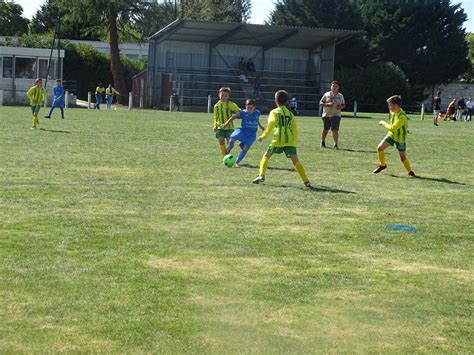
266	36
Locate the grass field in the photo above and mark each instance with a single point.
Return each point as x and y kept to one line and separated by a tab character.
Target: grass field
123	232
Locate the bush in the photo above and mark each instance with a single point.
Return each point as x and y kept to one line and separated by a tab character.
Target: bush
371	86
88	67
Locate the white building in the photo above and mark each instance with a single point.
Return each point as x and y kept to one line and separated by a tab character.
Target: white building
19	67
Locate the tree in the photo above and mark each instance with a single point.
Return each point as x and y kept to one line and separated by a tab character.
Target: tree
424	38
12	23
108	12
332	14
153	16
216	10
469	75
44	21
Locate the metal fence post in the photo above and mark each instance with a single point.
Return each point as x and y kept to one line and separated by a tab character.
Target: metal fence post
141	99
130	100
355	109
422	112
1	97
209	103
66	99
171	103
89	99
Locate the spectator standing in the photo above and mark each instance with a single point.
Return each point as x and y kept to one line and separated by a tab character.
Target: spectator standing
469	110
436	107
333	103
461	107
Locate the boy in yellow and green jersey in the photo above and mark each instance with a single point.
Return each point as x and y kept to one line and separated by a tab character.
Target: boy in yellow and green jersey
282	124
223	110
397	135
37	97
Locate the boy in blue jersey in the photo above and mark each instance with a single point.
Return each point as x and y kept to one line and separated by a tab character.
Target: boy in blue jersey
247	133
58	101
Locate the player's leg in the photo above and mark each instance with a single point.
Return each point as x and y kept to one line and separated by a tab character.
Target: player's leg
335	123
435	117
242	154
300	169
62	111
222	145
50	111
381	154
324	132
263	168
405	161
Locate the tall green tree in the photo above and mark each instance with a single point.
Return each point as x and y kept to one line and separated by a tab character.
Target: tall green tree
216	10
44	21
426	39
109	12
469	75
342	14
12	22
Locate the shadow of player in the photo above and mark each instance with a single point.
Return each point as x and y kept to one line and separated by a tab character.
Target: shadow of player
443	180
54	130
250	166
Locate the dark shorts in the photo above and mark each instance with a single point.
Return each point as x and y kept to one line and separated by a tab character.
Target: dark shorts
332	123
226	133
401	147
289	150
35	108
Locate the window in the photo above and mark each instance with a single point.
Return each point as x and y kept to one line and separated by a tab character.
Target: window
25	68
7	67
43	68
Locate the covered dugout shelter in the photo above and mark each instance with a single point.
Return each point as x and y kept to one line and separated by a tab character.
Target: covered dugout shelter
195	58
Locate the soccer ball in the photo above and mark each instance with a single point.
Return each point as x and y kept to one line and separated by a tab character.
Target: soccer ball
229	160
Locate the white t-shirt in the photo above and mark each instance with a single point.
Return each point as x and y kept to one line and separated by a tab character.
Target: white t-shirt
336	99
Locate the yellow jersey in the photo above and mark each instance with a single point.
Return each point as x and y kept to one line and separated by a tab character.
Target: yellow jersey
282	123
111	92
398	126
36	95
100	90
222	112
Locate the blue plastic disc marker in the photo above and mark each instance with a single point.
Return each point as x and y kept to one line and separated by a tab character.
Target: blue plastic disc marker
401	227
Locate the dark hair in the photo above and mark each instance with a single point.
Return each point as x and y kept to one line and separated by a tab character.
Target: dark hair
38	80
281	97
58	80
438	93
395	100
251	102
224	89
100	84
335	82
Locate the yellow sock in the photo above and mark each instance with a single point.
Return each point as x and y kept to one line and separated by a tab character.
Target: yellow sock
223	149
300	169
263	165
407	165
382	158
34	121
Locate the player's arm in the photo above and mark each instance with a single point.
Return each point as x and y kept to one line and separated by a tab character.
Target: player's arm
397	123
342	106
29	93
216	118
234	108
269	129
232	118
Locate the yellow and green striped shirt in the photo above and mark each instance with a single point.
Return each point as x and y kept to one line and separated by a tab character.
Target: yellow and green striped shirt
222	112
398	126
283	125
36	95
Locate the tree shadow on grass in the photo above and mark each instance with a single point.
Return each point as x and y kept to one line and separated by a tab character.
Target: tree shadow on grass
319	189
250	166
54	130
443	180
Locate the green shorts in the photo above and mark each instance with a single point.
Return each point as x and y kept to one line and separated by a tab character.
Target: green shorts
35	108
226	133
401	147
288	150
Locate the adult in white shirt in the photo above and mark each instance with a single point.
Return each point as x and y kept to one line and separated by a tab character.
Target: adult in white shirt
333	103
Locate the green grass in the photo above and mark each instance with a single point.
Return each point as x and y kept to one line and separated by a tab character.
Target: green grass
123	232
